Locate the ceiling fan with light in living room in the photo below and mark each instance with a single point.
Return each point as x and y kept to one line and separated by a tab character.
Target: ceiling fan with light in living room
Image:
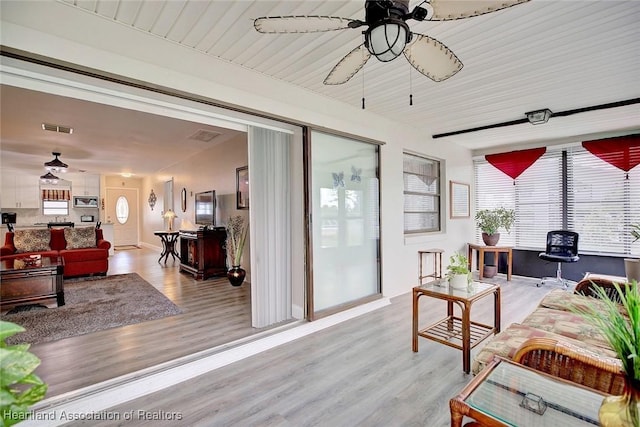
388	35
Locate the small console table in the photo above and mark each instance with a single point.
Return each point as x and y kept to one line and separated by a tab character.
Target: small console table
437	264
168	239
496	250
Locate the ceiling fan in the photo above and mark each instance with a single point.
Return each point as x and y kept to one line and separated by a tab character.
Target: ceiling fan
388	34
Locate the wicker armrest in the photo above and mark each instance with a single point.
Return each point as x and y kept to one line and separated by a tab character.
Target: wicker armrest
566	361
586	287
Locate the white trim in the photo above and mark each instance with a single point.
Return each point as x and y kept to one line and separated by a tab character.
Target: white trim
100	397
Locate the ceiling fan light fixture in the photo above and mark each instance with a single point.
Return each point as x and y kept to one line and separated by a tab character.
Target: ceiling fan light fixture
539	117
387	40
56	165
49	178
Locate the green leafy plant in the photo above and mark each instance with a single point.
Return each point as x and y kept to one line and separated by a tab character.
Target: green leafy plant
19	386
236	236
490	220
619	323
458	265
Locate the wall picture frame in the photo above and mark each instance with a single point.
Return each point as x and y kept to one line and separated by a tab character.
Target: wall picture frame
459	200
242	187
183	199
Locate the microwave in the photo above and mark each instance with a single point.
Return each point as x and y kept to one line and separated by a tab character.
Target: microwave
85	202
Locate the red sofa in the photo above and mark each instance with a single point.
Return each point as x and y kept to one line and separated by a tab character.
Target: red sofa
77	262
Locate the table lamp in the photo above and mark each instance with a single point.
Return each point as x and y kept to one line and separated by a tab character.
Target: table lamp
169	215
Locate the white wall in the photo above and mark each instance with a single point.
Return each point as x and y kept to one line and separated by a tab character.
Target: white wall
90	41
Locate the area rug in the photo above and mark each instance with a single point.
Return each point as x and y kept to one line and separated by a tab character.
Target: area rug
93	304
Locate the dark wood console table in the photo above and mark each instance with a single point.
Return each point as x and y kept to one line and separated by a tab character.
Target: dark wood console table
30	281
203	253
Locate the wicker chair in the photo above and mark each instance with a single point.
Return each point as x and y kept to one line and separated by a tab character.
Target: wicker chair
563	360
586	287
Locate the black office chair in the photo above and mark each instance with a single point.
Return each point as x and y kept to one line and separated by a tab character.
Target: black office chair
562	246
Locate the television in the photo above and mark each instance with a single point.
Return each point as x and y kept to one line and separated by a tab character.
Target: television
206	208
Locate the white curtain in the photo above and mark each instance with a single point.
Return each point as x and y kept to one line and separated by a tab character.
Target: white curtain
270	219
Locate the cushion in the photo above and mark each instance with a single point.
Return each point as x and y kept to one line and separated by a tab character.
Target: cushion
508	341
566	324
78	238
32	240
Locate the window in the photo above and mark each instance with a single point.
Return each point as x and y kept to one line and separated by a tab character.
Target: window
55	207
122	210
421	194
581	193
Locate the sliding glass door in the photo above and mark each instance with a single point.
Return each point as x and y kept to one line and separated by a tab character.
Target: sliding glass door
345	222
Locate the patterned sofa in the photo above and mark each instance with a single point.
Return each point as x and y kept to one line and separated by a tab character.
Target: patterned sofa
84	250
551	320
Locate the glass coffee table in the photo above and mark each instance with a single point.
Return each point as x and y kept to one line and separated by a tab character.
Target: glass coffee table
30	280
457	332
509	394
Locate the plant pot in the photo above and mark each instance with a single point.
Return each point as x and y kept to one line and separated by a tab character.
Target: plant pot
621	411
459	281
236	275
632	269
490	239
489	271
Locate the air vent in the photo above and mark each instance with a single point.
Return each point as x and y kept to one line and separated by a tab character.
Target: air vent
57	128
204	135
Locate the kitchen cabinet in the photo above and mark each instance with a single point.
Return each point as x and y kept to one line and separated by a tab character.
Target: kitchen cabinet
85	185
19	190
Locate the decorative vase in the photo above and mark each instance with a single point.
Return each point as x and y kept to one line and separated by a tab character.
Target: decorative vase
490	239
621	411
632	269
489	271
236	275
459	281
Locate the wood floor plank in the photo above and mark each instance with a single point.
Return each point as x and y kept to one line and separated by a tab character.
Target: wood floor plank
361	372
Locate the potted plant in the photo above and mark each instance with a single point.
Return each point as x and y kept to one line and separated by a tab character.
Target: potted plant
458	272
632	265
619	323
236	237
491	220
19	386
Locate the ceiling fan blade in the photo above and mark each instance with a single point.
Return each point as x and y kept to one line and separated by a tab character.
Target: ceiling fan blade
446	10
348	66
301	24
432	58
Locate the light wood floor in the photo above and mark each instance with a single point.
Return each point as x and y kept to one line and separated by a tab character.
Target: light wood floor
361	372
214	313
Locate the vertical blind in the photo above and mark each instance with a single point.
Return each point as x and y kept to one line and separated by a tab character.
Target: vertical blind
599	202
421	178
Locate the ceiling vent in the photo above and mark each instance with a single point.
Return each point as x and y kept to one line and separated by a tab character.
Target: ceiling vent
204	135
57	128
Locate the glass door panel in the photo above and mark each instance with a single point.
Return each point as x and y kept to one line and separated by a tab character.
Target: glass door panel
345	220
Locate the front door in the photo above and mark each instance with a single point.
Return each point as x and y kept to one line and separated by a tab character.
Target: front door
122	211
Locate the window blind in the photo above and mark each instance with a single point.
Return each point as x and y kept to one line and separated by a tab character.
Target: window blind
598	202
421	178
536	197
603	203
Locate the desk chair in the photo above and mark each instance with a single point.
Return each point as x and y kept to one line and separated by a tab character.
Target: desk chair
562	246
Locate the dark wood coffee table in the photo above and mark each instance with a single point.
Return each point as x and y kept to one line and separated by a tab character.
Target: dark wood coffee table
30	281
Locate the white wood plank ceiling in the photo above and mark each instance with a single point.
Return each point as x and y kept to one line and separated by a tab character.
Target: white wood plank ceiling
560	54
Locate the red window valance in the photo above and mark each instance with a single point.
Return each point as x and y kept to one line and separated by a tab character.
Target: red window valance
514	163
622	152
54	194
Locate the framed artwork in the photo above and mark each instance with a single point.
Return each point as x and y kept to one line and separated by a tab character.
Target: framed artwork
242	187
459	202
183	199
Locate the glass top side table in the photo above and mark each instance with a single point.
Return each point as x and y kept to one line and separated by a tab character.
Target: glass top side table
506	393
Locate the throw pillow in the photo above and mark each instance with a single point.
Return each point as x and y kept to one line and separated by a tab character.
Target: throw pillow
78	238
32	240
